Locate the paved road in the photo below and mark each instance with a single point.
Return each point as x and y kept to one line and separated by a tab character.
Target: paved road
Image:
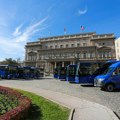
94	94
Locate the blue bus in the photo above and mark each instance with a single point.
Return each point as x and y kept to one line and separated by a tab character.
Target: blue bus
70	73
110	79
8	71
36	72
62	73
87	72
56	73
25	72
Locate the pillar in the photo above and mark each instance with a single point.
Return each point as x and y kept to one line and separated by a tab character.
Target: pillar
62	64
52	67
55	64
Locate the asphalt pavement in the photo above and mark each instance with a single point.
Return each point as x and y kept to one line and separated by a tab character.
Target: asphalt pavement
93	94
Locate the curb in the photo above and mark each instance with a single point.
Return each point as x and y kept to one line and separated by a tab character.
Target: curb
71	114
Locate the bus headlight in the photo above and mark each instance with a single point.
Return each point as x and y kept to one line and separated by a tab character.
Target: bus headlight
97	82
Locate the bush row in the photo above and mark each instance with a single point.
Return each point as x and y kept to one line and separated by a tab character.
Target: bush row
21	111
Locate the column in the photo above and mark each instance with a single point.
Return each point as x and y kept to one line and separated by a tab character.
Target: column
55	64
63	64
73	62
70	62
48	67
52	67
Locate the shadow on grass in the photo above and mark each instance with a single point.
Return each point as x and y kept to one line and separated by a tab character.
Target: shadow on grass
34	113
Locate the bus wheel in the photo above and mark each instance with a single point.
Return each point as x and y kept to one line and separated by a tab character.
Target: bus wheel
110	87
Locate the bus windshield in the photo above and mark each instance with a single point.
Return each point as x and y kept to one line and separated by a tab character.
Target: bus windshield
9	68
71	70
108	70
3	67
62	71
85	69
55	71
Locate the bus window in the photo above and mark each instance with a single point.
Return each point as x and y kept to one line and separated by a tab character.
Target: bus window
71	71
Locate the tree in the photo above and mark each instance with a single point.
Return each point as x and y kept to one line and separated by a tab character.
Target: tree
9	61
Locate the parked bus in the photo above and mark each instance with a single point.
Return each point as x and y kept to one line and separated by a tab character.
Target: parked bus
62	73
70	73
110	79
85	74
56	73
8	71
25	72
41	70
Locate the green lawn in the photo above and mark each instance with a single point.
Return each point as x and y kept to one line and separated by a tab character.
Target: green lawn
43	109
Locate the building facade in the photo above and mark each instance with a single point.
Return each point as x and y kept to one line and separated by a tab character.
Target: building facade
56	51
117	48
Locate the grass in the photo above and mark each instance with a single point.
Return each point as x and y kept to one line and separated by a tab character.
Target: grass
43	109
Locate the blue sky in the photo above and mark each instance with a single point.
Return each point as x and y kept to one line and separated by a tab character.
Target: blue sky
24	21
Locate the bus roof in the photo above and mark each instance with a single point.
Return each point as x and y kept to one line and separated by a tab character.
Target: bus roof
72	65
8	65
115	64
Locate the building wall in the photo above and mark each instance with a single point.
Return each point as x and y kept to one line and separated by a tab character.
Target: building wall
117	48
62	50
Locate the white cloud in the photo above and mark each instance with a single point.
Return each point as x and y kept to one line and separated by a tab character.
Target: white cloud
30	30
10	48
82	11
14	45
17	30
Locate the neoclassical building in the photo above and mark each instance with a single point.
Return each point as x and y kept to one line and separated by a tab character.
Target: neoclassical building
55	51
117	48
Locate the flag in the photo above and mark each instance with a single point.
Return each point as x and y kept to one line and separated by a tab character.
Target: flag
65	30
82	28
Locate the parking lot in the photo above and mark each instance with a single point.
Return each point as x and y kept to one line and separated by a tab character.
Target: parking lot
94	94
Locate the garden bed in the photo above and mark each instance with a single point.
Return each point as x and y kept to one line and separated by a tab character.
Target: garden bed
7	103
13	105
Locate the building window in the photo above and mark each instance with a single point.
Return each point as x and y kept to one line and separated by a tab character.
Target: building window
61	46
78	44
56	46
51	46
46	46
84	55
92	55
84	44
72	45
66	45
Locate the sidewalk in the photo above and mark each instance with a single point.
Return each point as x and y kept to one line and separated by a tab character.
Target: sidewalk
84	110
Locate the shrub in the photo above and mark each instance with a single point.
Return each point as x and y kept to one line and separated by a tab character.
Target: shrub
21	110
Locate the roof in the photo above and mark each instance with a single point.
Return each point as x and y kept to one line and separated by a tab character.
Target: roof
115	64
90	33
